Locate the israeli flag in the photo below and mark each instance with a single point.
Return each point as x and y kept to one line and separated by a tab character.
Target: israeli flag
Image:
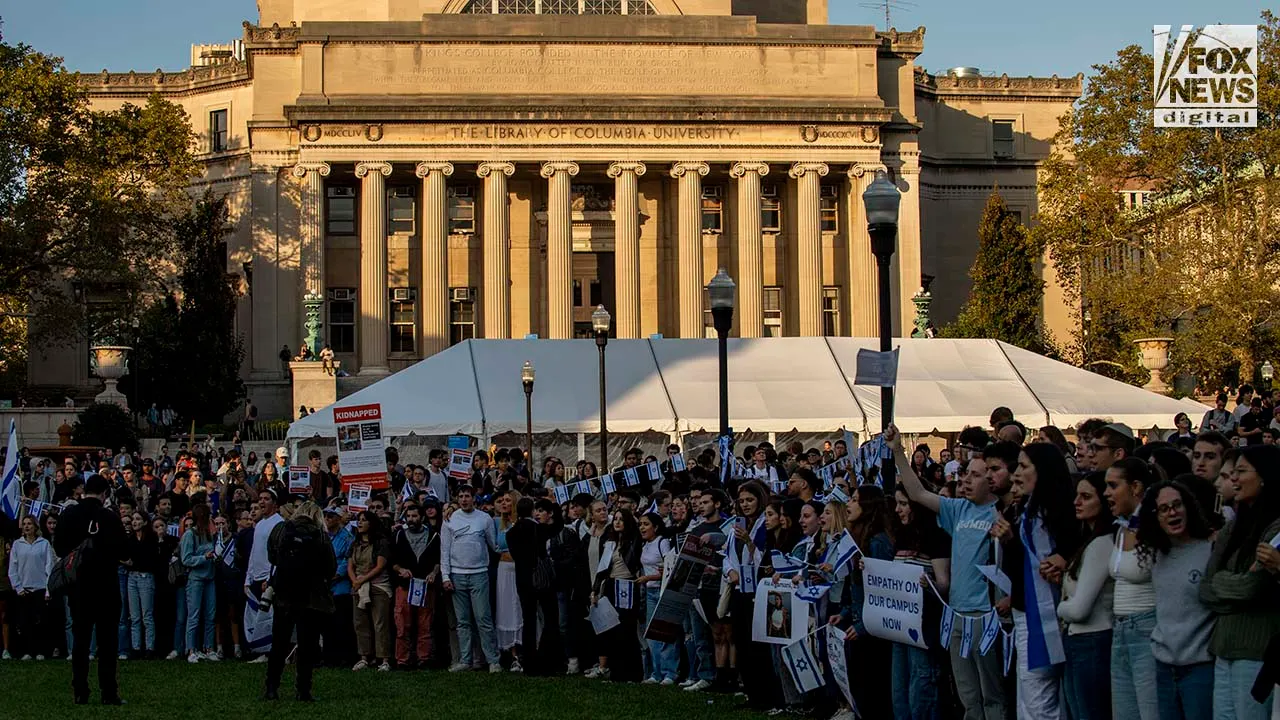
828	475
990	628
855	464
966	637
608	485
811	593
229	555
677	463
582	487
623	594
632	478
759	533
407	494
804	669
1044	637
726	460
37	508
944	630
778	487
785	564
836	495
418	592
842	549
654	470
849	443
172	530
11	485
562	494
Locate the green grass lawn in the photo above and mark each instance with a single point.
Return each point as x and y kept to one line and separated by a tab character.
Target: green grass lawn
231	691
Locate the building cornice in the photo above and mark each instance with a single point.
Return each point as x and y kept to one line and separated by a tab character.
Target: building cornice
980	87
907	44
186	82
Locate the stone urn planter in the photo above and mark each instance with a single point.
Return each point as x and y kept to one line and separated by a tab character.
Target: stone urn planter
110	362
1155	358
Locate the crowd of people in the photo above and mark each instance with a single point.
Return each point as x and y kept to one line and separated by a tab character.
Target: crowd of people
1136	576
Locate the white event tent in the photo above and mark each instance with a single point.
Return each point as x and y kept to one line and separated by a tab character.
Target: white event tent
776	385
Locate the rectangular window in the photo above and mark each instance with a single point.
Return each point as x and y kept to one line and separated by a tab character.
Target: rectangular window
403	324
400	210
219	139
770	209
708	320
831	311
1002	138
773	312
829	207
462	210
462	314
342	320
712	209
340	210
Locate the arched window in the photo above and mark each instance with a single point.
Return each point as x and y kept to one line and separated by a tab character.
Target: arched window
559	7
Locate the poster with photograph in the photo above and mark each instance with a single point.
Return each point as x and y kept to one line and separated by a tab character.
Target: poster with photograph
358	498
361	447
460	464
299	480
681	590
780	617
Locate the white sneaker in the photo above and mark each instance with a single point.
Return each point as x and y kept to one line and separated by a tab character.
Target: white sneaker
258	660
688	682
384	667
211	656
121	656
593	673
573	667
844	715
194	658
698	686
668	682
39	657
26	657
173	655
6	656
361	665
494	668
459	667
516	667
649	681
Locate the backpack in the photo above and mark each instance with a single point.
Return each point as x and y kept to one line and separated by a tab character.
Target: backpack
296	563
67	570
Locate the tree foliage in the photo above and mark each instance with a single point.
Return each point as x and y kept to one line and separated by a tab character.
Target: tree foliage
1004	303
86	196
104	425
1201	261
187	351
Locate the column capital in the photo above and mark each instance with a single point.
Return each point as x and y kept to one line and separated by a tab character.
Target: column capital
485	169
302	168
617	168
804	168
857	170
739	169
426	168
378	166
551	168
680	169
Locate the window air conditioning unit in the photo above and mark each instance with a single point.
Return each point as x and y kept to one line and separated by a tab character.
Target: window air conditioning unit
341	191
460	191
461	295
401	294
769	191
827	191
342	294
711	192
402	192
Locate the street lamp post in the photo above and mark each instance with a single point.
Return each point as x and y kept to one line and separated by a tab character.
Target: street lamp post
600	322
1268	374
526	379
881	200
721	289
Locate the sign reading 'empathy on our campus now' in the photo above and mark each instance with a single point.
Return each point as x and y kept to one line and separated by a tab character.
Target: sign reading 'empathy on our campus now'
1206	77
361	447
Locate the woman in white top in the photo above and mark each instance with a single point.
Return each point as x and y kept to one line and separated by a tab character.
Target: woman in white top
1133	666
30	560
1087	590
664	660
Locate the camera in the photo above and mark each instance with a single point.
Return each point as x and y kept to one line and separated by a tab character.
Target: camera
268	597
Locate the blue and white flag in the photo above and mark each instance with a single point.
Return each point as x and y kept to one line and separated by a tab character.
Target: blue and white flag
759	533
11	485
229	555
582	487
839	664
1044	638
811	593
840	552
654	470
849	444
257	624
677	463
607	484
944	629
172	530
804	669
562	494
726	459
966	637
836	495
36	509
632	478
418	592
407	493
624	594
784	564
778	487
990	629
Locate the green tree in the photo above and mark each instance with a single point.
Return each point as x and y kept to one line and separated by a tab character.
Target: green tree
1007	290
86	196
105	425
1200	262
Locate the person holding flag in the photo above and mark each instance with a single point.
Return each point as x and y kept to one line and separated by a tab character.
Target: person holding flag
744	557
11	483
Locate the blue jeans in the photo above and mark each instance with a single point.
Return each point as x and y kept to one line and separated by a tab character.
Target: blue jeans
915	684
1133	668
142	603
664	656
1186	691
1087	680
566	628
1232	681
180	620
702	665
471	605
201	607
122	632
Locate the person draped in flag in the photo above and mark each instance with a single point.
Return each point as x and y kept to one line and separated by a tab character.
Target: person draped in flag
744	557
709	527
615	576
1035	549
415	565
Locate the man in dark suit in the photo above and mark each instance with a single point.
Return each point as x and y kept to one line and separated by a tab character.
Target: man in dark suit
95	596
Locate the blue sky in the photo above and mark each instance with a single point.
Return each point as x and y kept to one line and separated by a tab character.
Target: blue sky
1019	38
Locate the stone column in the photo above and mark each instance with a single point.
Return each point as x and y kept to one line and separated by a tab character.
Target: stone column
374	331
809	245
434	294
690	282
626	245
311	229
864	320
750	314
908	255
497	251
559	249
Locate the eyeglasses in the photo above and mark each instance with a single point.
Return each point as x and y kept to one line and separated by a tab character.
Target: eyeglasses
1169	507
1095	447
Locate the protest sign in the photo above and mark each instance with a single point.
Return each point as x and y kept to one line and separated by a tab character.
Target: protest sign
603	616
681	590
893	607
877	368
299	480
460	464
839	664
361	447
358	497
780	618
